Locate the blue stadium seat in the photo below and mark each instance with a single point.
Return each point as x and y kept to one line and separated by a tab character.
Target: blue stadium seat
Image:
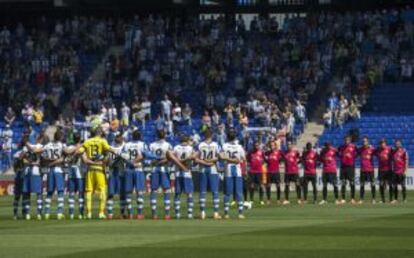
389	115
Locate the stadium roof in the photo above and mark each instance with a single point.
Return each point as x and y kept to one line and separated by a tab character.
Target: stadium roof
10	7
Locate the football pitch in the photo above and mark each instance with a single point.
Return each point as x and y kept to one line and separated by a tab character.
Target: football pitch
367	230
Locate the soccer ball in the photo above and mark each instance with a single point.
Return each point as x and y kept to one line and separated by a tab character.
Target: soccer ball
248	205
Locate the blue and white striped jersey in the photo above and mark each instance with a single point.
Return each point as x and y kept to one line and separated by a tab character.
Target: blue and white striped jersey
133	150
183	152
160	149
233	150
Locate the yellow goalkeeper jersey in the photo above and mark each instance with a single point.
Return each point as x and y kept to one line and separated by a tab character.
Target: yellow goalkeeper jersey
95	146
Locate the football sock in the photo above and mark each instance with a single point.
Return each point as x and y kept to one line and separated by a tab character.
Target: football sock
382	192
390	190
48	202
110	205
16	204
278	192
128	203
140	202
325	192
240	205
71	203
343	189
88	197
287	190
81	204
216	201
226	201
102	201
39	202
362	191
167	202
336	192
26	203
251	193
298	192
268	192
373	191
261	193
315	191
352	184
122	203
395	192
177	204
190	205
305	191
60	202
203	201
153	200
404	192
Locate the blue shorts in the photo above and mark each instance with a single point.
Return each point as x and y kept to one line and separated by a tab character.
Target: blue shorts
76	185
55	181
158	179
184	184
209	181
115	185
32	183
233	185
134	180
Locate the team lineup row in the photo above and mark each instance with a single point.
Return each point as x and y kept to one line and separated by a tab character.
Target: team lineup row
118	170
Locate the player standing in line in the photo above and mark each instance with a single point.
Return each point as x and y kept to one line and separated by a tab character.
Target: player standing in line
273	159
207	157
329	173
347	155
255	160
160	175
366	152
76	182
400	166
53	153
183	179
93	151
291	158
18	167
32	182
133	153
310	162
384	154
116	177
233	155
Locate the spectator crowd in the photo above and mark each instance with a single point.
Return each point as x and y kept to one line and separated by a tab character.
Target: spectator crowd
190	73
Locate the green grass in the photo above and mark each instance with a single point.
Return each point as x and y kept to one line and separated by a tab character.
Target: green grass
272	231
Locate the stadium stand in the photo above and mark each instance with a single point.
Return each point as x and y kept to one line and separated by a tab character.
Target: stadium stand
42	66
275	64
389	114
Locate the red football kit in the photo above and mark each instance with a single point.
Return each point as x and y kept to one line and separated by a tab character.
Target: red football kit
384	158
367	158
273	161
291	162
347	154
399	161
328	159
310	162
256	159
